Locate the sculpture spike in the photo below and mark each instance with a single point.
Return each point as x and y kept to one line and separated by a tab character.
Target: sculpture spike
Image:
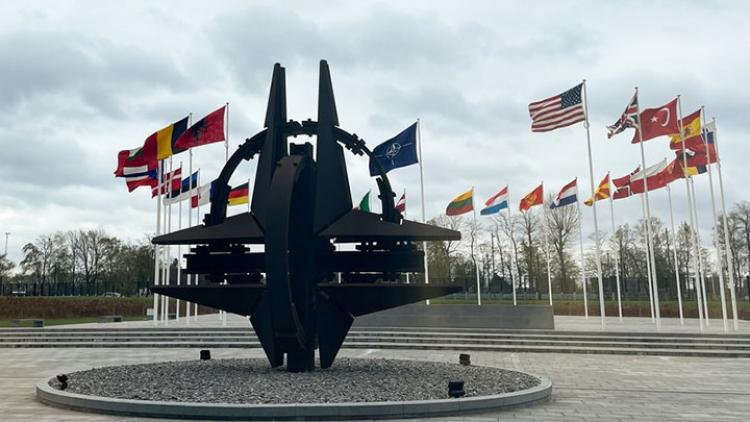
274	147
334	195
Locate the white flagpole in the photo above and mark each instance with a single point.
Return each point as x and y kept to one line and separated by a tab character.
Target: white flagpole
421	188
701	267
583	260
512	228
169	248
717	235
156	247
198	221
693	238
223	314
617	258
727	249
649	229
407	274
190	213
593	207
648	262
674	249
474	249
546	247
179	250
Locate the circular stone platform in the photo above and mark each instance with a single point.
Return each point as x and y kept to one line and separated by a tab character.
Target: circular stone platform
249	389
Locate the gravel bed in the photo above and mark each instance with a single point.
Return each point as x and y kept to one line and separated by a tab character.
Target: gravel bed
252	381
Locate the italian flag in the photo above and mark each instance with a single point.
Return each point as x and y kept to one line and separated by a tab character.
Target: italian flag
364	204
461	204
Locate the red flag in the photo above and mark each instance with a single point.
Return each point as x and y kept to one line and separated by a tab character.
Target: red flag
401	204
622	185
535	197
658	121
174	177
207	130
143	158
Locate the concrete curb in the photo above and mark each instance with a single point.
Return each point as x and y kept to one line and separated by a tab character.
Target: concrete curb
295	411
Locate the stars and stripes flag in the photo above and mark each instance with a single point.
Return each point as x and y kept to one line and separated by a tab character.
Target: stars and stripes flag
628	119
558	111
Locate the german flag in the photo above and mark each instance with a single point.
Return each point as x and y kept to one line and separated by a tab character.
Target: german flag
239	195
461	204
601	191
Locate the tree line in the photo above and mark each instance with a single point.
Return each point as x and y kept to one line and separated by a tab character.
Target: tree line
505	248
511	248
79	262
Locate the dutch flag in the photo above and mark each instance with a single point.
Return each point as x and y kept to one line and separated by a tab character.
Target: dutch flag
568	195
496	202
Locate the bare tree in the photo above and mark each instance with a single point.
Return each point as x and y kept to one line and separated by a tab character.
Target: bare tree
562	224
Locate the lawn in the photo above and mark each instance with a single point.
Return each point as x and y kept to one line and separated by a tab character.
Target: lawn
62	321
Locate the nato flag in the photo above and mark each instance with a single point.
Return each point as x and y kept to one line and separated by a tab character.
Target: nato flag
400	151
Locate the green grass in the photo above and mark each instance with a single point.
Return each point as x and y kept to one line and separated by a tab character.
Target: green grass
64	321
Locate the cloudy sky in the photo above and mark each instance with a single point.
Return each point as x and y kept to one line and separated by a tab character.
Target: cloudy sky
83	80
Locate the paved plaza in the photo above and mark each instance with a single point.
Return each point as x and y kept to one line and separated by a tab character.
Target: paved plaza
586	387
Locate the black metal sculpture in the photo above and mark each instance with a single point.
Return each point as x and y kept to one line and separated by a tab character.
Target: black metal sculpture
301	207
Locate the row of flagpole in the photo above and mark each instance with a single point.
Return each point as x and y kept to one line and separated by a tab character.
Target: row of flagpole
162	268
699	269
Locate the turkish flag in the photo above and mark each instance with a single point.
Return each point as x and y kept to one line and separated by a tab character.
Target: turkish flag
658	121
535	197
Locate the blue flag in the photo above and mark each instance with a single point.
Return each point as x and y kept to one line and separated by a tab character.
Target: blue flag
400	151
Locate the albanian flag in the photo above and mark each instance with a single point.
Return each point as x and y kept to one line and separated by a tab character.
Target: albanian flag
207	130
658	121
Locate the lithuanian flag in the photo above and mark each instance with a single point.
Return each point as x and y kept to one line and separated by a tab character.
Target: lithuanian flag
461	204
239	195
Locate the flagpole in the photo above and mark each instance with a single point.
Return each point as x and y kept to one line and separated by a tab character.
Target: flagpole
694	240
223	314
474	247
727	249
674	248
404	196
190	214
648	262
198	222
593	207
649	230
701	267
169	248
717	235
156	247
421	188
614	229
179	250
510	223
546	247
583	260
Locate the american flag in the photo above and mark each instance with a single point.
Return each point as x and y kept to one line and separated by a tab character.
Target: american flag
558	111
628	119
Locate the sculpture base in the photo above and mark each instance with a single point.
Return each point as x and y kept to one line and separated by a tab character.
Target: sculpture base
249	389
